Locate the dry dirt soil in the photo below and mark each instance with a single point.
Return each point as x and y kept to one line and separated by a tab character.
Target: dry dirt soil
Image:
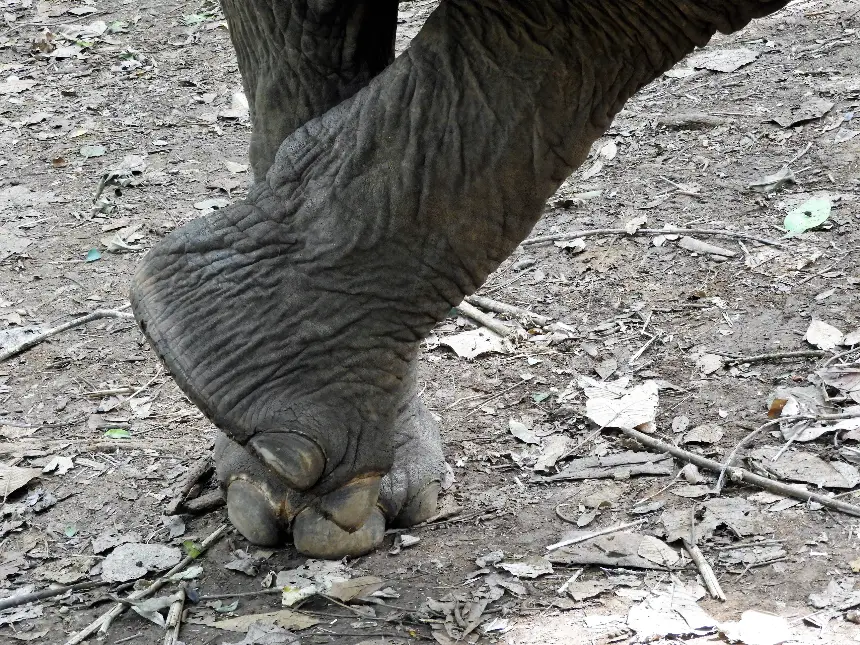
157	80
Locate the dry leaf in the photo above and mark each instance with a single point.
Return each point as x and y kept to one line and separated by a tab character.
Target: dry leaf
637	407
470	344
823	336
349	590
13	478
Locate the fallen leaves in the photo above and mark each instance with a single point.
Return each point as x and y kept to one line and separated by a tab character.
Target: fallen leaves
134	560
529	567
15	85
12	244
809	110
722	60
282	619
474	343
809	215
622	465
13	478
823	335
805	467
633	408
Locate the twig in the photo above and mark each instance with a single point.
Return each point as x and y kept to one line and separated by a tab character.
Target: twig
773	356
594	534
642	349
742	475
639	502
31	342
493	398
718	487
337	602
812	276
496	326
800	154
24	598
102	623
200	471
543	239
241	594
205	503
708	576
836	357
119	390
563	588
504	308
144	386
173	623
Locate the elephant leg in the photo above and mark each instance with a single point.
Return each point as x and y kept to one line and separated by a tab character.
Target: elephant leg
299	58
293	319
259	500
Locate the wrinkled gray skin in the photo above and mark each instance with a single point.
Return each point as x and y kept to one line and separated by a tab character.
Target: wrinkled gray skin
386	190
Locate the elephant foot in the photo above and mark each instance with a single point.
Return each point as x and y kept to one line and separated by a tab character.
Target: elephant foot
266	510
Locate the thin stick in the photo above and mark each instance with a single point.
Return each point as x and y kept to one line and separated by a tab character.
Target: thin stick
800	154
773	356
731	458
742	475
205	503
241	594
708	576
836	357
102	623
563	588
591	536
480	317
24	598
544	239
144	386
198	472
173	623
23	346
504	308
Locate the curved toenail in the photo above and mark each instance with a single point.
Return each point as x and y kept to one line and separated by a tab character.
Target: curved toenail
422	506
318	537
299	460
251	512
350	505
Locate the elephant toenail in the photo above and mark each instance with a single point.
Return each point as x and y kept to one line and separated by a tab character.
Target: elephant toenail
251	512
299	460
350	505
318	537
422	506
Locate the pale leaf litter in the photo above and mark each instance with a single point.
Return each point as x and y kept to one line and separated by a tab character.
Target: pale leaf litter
620	404
662	609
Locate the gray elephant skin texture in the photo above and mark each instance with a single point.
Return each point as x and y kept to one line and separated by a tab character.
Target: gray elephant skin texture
385	191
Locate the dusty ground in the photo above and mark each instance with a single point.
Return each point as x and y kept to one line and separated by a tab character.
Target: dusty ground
159	84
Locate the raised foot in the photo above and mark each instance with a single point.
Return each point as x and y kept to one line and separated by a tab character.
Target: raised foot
263	503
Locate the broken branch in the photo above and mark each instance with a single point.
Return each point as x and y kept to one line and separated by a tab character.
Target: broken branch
495	326
594	534
102	623
504	308
708	576
544	239
742	475
24	598
775	356
23	346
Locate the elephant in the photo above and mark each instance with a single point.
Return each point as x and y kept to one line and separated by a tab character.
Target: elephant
385	191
